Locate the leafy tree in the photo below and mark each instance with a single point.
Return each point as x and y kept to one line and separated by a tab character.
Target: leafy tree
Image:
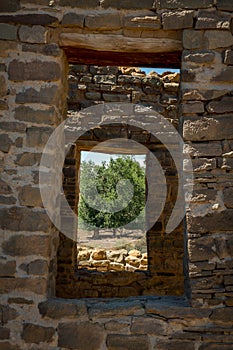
105	178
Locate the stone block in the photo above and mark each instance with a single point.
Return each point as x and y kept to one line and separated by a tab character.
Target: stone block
7	200
34	34
4	333
33	333
127	342
177	20
36	285
73	19
148	325
5	143
30	196
46	95
226	76
186	4
199	57
35	19
204	149
7	314
60	308
8	31
81	4
228	197
175	345
13	126
9	346
128	4
193	107
38	136
10	6
116	309
82	336
34	70
116	97
217	39
28	159
105	79
7	269
228	58
212	20
224	315
21	245
4	187
103	21
208	129
192	39
214	222
225	105
24	219
144	22
203	164
95	96
47	49
201	249
225	5
3	86
39	116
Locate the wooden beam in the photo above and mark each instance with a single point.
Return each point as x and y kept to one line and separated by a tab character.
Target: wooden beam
119	43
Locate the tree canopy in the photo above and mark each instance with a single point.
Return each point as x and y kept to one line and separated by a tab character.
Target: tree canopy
105	179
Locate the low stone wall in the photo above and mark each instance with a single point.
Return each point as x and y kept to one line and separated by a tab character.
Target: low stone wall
111	260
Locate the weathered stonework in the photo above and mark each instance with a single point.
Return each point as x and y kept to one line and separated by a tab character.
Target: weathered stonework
36	46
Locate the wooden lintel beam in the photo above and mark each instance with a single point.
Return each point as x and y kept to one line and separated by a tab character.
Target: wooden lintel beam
119	43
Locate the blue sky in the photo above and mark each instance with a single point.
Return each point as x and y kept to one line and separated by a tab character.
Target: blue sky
98	158
159	70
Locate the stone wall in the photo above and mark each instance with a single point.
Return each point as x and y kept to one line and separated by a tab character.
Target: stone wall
35	48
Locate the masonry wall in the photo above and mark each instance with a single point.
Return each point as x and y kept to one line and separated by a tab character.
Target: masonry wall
33	90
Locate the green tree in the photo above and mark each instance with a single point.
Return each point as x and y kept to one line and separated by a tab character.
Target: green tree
105	178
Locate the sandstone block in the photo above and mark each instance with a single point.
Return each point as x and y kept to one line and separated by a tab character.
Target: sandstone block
10	6
34	70
85	335
81	4
201	249
7	269
105	79
225	5
116	309
7	200
192	39
175	345
7	314
217	39
83	255
8	31
148	325
60	308
228	59
216	222
177	20
95	96
116	97
188	4
212	20
21	245
127	4
37	285
46	95
100	70
115	266
4	187
5	143
132	260
34	34
9	346
28	159
145	22
127	342
204	149
199	57
225	105
228	197
38	137
73	19
222	315
194	107
136	253
4	333
226	76
3	86
13	126
99	254
38	267
46	49
24	219
207	129
30	196
37	19
103	21
38	116
33	333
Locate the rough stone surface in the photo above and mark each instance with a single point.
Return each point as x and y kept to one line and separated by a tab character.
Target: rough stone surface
177	20
30	196
8	32
21	245
34	70
213	20
10	6
34	34
5	143
33	333
217	39
83	335
127	342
